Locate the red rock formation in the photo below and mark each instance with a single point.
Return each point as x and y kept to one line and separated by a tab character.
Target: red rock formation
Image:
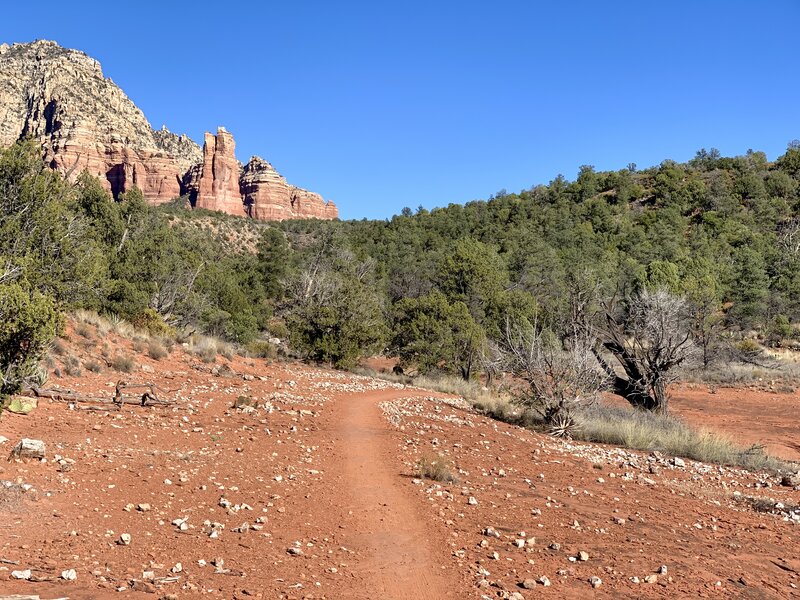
85	122
215	184
267	196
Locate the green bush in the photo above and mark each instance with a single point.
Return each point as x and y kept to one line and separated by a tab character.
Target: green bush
261	349
150	321
29	321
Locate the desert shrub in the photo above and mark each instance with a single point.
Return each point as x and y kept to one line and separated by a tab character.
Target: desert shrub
84	330
72	366
204	347
120	326
58	347
123	363
561	376
139	344
150	321
436	468
29	321
261	349
278	329
93	366
156	350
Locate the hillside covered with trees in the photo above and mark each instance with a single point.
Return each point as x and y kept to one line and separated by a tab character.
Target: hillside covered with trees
708	250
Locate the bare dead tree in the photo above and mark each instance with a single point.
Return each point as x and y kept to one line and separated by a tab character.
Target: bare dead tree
789	237
650	339
492	360
559	375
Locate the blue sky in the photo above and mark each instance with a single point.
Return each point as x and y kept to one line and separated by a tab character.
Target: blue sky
380	105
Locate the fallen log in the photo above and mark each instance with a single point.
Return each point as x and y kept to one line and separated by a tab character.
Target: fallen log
148	397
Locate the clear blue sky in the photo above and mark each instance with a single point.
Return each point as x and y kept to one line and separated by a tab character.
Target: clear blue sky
381	105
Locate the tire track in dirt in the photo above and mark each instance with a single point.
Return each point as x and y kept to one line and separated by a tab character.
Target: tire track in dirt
400	555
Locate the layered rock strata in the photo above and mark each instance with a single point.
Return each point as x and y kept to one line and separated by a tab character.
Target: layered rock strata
85	122
268	196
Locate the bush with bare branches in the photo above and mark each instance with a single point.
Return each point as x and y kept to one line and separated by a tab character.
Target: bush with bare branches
651	338
559	374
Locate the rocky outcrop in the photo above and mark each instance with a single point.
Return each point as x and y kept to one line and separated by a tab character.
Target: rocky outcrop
268	196
84	121
214	184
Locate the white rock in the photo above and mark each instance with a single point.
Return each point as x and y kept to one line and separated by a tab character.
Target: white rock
69	575
596	582
124	539
26	574
28	448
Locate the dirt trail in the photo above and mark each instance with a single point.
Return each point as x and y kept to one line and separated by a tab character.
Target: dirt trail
399	553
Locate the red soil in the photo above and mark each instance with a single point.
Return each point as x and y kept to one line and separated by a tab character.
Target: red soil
330	471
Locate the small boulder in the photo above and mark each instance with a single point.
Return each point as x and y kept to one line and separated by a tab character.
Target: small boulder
26	574
27	448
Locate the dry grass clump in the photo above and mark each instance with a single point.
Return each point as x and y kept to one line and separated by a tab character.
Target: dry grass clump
72	366
84	330
88	317
123	363
120	326
157	350
93	366
642	430
58	347
261	349
225	349
139	344
436	468
204	347
598	422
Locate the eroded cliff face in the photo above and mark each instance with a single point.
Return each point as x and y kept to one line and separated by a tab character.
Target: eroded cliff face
84	121
268	196
214	183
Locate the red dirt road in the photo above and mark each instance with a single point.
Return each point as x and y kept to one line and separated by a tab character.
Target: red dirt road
385	523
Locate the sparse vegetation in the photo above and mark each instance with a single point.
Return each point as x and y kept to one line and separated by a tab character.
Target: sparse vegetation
156	350
84	330
93	366
437	468
123	363
601	423
203	347
72	366
261	349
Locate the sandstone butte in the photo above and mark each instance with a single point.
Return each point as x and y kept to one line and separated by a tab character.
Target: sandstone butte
85	122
